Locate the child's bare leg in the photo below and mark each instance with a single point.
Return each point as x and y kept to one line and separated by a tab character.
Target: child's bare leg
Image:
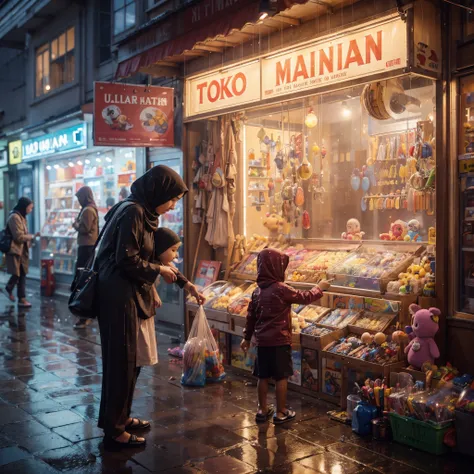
281	390
262	388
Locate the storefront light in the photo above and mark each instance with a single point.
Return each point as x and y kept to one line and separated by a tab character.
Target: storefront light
346	110
71	164
87	162
311	120
79	162
109	160
48	167
56	166
430	117
47	87
98	160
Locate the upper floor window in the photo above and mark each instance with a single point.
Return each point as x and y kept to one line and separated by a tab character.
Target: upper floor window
124	15
55	63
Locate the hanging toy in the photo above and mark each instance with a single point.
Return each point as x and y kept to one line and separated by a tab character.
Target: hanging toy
299	196
365	184
323	151
315	149
299	146
278	144
279	161
271	188
305	170
306	221
355	179
261	134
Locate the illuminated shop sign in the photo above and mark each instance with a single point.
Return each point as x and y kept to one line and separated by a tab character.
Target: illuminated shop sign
62	141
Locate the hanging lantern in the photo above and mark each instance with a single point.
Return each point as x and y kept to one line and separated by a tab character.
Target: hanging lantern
311	120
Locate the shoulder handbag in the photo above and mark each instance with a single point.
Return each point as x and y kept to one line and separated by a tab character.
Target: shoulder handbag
82	301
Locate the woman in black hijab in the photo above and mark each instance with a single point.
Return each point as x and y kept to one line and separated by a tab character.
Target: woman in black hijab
126	293
18	258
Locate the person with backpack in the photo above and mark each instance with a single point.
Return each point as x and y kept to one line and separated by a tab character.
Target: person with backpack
87	226
17	258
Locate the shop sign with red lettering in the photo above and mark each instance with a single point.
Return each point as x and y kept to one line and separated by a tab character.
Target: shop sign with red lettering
222	89
375	49
133	115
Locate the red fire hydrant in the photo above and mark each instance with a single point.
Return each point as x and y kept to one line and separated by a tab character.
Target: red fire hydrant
48	282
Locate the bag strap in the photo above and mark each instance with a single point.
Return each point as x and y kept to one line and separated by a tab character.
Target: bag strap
102	232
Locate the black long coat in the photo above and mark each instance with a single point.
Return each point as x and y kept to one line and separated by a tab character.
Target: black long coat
126	277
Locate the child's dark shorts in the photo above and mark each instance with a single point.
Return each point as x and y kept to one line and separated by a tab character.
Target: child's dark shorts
273	362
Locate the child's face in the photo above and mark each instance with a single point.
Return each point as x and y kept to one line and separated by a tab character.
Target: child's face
169	255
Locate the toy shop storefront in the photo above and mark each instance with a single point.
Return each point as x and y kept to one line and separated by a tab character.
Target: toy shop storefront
327	151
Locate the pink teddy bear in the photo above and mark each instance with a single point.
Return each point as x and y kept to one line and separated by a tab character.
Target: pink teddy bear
422	347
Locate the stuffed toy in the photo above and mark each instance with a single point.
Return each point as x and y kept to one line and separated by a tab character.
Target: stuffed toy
398	230
413	234
422	348
274	224
353	230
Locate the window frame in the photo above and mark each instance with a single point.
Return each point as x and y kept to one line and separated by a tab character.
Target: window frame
123	8
45	50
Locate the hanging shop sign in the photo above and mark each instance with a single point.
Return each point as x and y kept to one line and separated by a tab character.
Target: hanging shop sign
133	115
235	86
14	152
63	141
366	52
356	53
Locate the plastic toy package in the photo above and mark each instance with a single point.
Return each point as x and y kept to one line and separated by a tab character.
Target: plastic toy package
201	359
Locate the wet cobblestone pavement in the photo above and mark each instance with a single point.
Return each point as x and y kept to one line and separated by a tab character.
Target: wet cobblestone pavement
49	400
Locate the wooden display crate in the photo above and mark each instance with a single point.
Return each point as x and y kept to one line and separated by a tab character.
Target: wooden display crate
318	343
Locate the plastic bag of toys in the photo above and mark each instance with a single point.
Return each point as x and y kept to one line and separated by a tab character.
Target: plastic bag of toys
201	359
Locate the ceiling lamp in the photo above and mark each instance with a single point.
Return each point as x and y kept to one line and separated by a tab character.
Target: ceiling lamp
311	120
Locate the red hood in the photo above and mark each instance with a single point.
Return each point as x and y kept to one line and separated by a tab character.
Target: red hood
271	267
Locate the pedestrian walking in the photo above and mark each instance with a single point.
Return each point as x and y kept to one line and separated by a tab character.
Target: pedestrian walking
17	259
127	274
87	227
269	319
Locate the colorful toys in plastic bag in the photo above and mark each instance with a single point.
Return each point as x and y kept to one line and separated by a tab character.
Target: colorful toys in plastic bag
214	368
201	360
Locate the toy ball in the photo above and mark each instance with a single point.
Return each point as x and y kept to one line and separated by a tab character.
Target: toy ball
316	149
367	338
380	338
355	183
323	151
365	184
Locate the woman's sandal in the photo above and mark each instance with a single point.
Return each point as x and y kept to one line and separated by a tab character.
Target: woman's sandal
289	415
264	417
141	425
111	444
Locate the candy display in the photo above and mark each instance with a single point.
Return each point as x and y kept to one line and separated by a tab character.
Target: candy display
315	331
227	296
212	290
313	268
248	265
313	313
352	346
373	321
418	279
339	318
256	243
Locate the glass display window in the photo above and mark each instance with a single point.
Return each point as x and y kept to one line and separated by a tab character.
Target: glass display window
108	173
355	164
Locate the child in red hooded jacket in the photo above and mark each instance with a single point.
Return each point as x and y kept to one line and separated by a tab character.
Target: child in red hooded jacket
269	320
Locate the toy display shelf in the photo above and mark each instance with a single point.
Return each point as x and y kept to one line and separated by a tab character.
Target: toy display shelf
359	330
319	342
